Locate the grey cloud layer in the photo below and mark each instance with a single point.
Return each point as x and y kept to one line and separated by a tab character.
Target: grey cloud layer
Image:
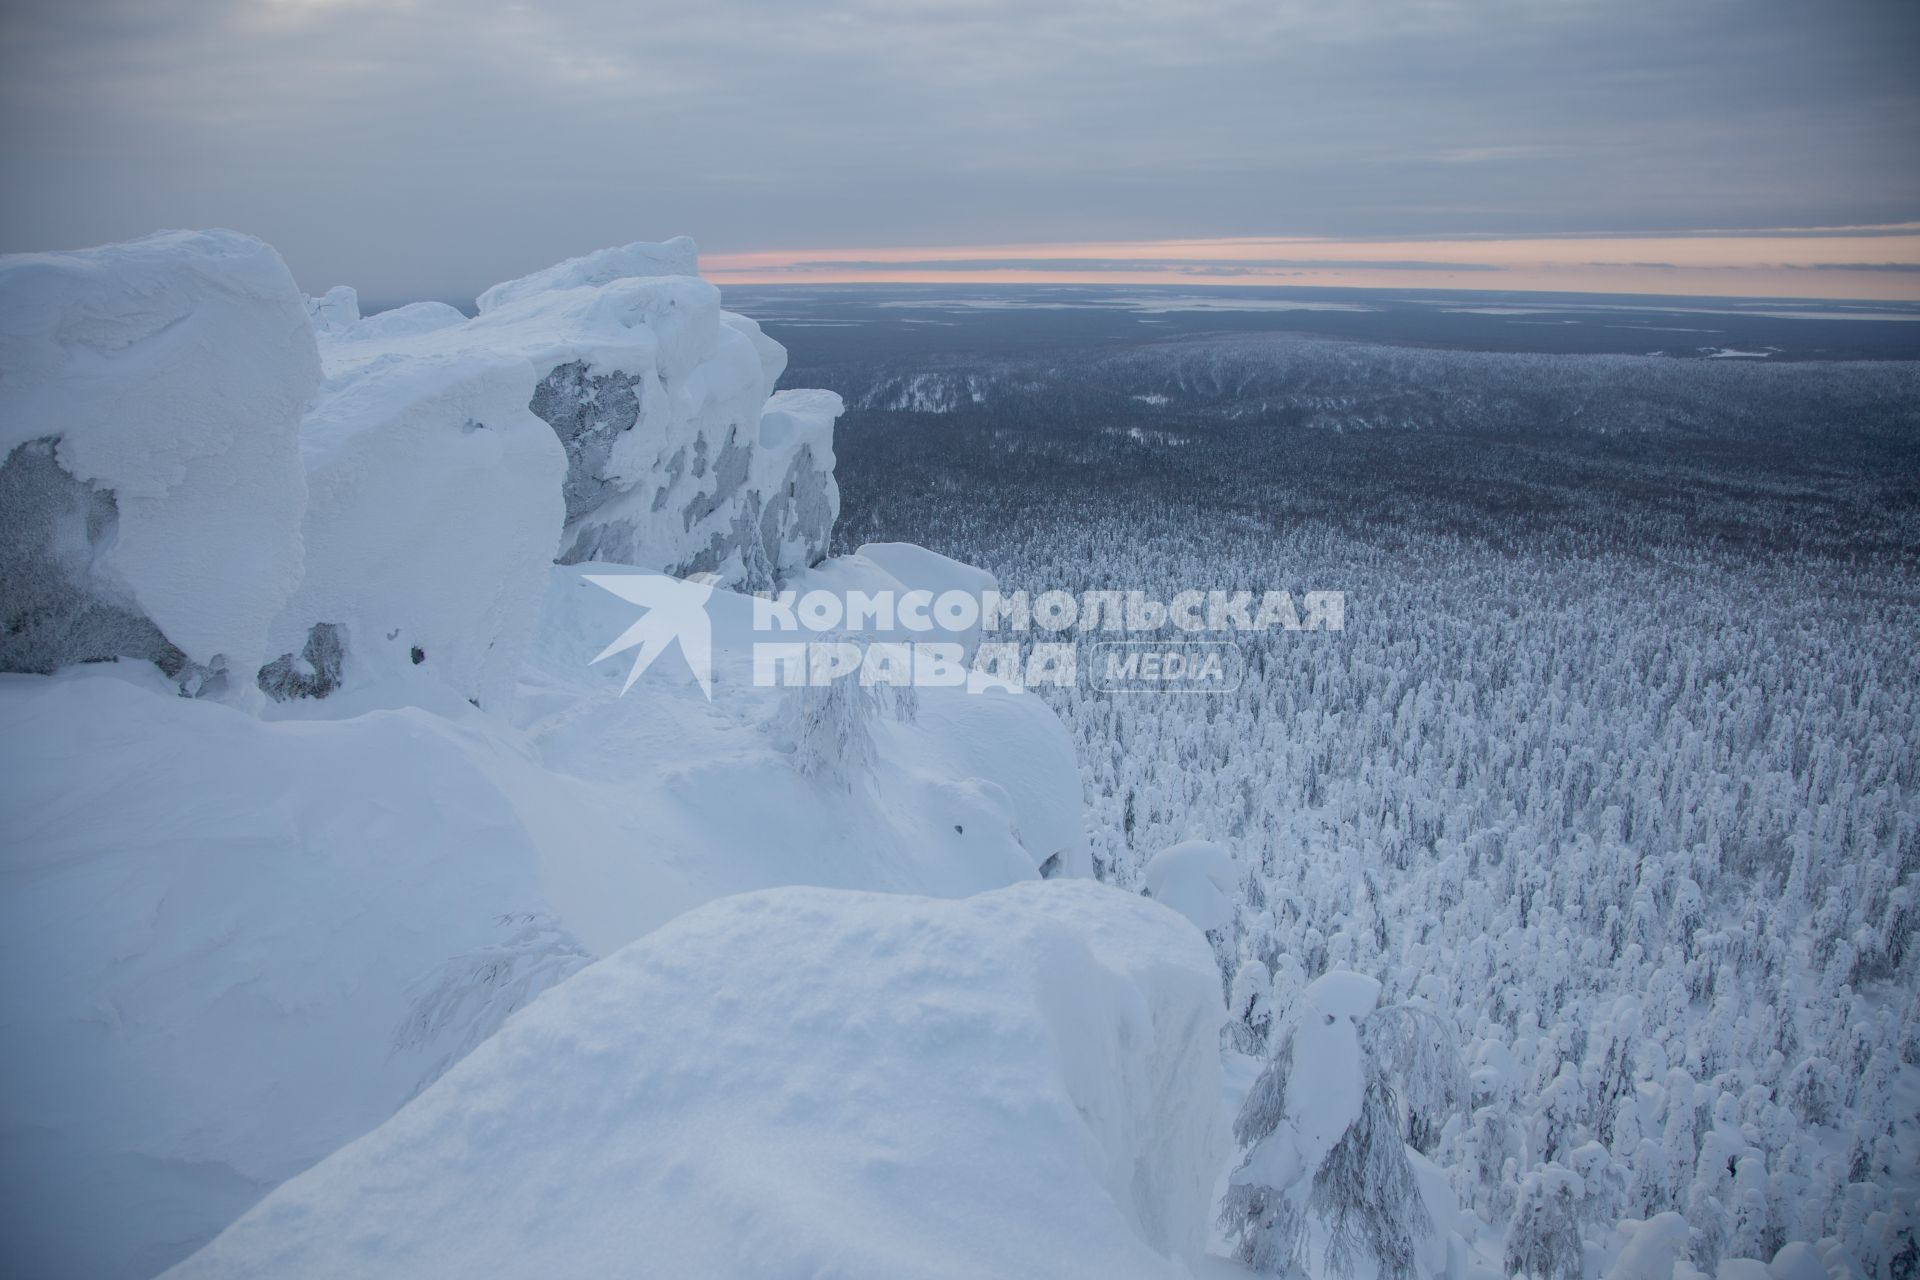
427	148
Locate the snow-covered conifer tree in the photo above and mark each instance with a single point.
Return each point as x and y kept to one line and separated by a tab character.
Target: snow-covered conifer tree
828	725
1323	1127
1543	1240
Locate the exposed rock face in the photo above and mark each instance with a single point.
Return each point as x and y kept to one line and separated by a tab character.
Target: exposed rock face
53	613
694	465
588	412
605	409
315	673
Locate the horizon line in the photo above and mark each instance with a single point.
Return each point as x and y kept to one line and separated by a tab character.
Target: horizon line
1874	263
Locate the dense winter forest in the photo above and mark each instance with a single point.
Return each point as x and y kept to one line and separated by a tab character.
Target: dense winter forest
1614	770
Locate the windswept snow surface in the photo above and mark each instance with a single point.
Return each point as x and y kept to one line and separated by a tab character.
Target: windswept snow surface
976	792
213	923
802	1082
240	943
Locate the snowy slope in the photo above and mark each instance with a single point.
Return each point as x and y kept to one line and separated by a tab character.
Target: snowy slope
803	1082
666	799
214	923
250	940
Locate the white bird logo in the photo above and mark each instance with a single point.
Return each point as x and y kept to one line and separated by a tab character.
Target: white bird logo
676	609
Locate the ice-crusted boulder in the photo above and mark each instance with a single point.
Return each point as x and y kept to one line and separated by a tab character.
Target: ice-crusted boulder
155	460
680	455
150	401
805	1082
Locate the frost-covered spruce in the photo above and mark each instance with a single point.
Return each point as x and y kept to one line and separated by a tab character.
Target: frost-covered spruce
1322	1131
1544	1240
827	722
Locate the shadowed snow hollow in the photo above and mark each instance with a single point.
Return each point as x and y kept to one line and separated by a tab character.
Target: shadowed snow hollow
805	1082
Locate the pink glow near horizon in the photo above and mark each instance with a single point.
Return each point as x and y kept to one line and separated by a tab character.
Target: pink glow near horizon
1872	263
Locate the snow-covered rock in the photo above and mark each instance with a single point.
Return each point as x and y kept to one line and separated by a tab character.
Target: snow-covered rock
981	788
804	1082
150	399
680	454
248	931
401	322
1197	878
676	257
432	519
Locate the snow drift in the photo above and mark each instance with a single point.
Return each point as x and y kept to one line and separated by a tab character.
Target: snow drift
214	926
803	1082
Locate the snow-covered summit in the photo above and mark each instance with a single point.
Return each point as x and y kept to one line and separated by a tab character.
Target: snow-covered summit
254	923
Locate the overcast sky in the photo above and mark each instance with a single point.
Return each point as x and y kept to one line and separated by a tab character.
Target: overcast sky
425	148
